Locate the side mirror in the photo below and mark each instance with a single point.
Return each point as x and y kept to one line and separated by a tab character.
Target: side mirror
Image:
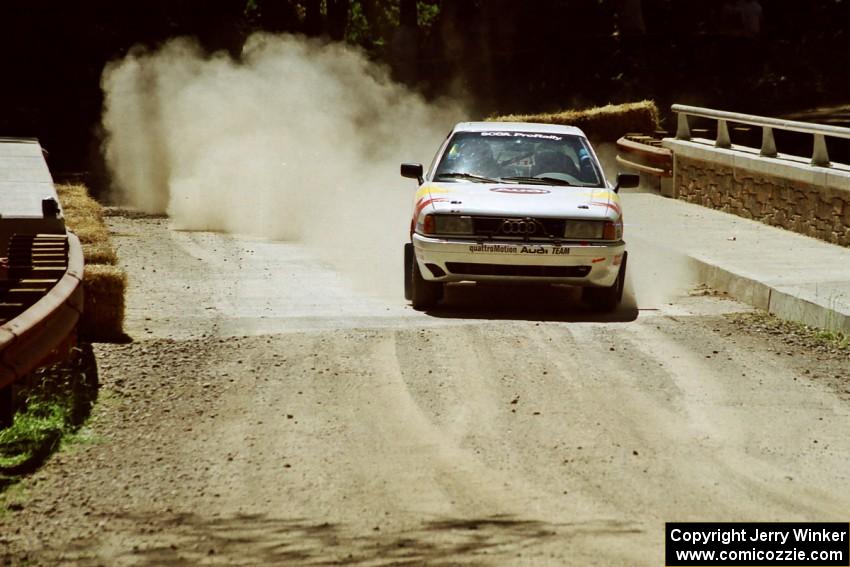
626	181
412	171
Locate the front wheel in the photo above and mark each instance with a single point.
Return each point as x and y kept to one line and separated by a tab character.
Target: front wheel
423	294
606	299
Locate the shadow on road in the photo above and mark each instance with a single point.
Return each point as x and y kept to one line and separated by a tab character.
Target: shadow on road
527	303
189	539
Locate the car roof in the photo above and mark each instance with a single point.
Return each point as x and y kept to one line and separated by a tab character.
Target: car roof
518	127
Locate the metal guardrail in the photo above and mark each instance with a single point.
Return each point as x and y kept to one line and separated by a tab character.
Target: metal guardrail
820	155
32	338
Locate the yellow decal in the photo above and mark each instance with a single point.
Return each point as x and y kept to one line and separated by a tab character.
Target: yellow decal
606	195
431	189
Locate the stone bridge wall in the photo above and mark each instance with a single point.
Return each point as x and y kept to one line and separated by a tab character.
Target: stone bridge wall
788	194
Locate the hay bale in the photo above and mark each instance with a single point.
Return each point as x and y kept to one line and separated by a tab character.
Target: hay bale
89	231
100	253
600	124
77	205
83	215
103	312
104	283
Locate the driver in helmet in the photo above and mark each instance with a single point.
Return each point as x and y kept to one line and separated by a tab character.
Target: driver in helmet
476	157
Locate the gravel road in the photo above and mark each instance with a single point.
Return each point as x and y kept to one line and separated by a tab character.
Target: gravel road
268	413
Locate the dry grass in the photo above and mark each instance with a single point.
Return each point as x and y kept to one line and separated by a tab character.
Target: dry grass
104	282
600	124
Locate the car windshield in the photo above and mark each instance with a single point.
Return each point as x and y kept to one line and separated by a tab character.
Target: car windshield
519	157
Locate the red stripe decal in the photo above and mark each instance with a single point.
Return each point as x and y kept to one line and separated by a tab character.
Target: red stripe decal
612	206
424	203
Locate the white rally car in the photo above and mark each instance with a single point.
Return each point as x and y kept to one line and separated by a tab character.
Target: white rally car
516	202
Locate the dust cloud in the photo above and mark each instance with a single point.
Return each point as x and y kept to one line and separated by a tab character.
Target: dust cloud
299	140
656	275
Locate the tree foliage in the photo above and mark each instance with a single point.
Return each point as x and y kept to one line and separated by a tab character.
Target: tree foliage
505	55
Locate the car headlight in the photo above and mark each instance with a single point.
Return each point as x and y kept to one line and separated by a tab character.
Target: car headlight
583	230
450	224
613	230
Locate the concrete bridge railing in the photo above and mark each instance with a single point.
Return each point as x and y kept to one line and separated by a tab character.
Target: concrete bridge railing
807	194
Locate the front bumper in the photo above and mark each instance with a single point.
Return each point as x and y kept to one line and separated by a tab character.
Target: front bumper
455	260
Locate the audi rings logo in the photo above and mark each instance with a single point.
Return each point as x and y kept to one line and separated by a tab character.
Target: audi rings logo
519	226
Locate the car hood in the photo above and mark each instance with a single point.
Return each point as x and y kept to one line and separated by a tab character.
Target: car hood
502	199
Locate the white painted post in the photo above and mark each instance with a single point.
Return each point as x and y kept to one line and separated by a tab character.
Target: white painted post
768	144
683	130
723	140
820	156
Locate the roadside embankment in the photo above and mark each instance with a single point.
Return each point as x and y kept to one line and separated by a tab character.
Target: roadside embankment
52	403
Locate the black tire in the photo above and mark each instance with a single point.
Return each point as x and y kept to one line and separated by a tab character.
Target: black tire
423	294
607	299
408	271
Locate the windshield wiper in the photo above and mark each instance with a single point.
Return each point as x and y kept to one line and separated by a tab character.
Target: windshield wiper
538	180
464	175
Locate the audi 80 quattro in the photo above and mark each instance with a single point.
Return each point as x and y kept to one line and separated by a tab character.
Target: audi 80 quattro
516	202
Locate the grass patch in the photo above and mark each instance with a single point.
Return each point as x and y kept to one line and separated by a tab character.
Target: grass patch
49	404
34	431
600	124
104	282
833	338
796	333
